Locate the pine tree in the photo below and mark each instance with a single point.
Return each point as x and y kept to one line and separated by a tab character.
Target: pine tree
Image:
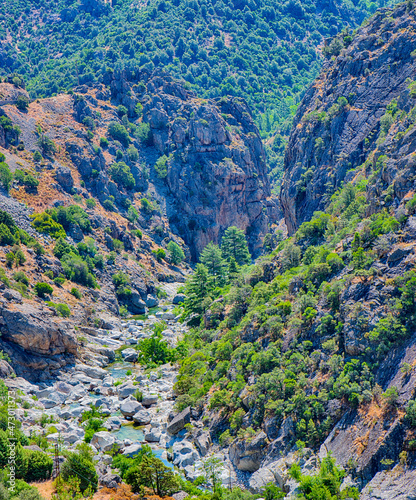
197	288
212	258
232	269
234	244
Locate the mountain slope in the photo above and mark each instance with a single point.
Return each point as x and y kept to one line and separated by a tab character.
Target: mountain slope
261	50
315	344
105	192
345	116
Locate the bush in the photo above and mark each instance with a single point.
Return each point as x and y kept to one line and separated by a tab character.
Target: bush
152	473
22	102
146	205
47	145
39	466
176	253
82	468
391	396
121	174
6	176
119	132
76	293
143	133
161	167
90	202
63	310
42	289
76	269
44	223
21	277
160	254
37	157
6	236
411	413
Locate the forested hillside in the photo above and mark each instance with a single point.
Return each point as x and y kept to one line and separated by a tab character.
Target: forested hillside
262	50
315	343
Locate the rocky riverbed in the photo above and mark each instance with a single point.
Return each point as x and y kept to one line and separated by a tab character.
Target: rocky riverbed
103	381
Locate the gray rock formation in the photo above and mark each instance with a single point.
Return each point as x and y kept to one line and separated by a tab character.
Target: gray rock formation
216	170
338	121
179	421
39	344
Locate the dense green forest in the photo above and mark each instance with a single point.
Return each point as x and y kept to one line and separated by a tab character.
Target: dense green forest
262	50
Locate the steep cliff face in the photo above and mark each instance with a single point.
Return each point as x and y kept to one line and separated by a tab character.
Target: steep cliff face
340	123
216	168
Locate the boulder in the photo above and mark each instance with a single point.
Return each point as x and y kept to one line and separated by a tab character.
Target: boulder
132	450
64	388
168	316
110	480
179	421
178	298
153	436
125	390
203	442
12	295
103	440
180	495
135	304
130	407
247	456
64	178
184	454
149	399
5	369
152	301
130	355
272	473
143	417
93	372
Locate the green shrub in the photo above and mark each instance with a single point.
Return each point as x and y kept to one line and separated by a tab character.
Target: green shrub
76	293
6	236
46	145
82	468
22	102
160	254
119	133
121	174
90	202
161	167
37	157
21	277
411	413
6	175
39	466
146	205
176	253
44	223
63	310
42	289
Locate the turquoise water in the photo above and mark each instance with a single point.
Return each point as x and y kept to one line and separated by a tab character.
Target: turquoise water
119	370
136	435
131	432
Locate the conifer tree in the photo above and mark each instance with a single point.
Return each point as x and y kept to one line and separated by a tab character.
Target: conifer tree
234	244
212	258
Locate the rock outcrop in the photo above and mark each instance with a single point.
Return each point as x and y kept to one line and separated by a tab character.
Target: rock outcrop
216	164
39	344
340	120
